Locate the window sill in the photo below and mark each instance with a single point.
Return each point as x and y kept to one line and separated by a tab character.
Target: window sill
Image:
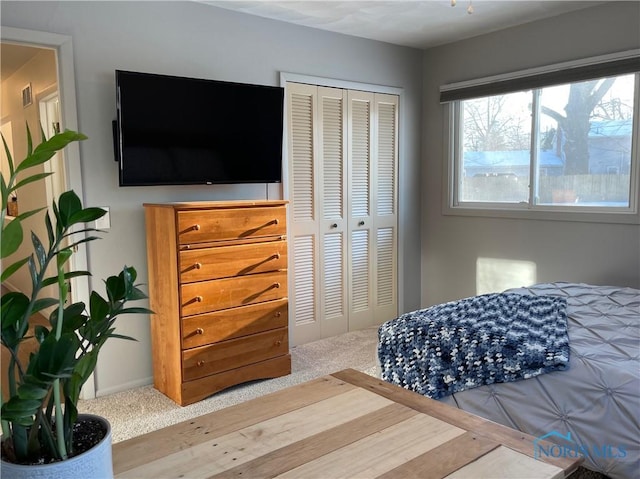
583	216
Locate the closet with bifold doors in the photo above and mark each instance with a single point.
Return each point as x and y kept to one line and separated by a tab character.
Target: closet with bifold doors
342	177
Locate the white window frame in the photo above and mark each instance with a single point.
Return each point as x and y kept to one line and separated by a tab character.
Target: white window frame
529	210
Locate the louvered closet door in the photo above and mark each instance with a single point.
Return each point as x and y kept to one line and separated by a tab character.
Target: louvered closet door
373	198
385	205
342	156
303	225
360	226
333	223
318	304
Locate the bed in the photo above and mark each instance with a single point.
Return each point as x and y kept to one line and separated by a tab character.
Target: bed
589	405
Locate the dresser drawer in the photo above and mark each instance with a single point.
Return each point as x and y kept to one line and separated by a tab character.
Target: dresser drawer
230	224
232	354
207	328
225	261
226	293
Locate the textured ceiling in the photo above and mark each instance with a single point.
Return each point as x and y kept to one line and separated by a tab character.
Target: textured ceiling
414	23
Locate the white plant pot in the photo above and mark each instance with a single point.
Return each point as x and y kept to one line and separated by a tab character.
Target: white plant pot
95	463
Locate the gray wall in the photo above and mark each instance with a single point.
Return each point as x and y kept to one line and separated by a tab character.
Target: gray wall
192	39
546	250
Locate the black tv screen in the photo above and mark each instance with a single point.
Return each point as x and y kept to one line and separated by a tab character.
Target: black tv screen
178	131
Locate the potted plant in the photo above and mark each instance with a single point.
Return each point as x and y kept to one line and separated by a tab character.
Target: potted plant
41	427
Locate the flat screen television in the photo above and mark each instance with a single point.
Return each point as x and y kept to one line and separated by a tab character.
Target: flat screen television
178	131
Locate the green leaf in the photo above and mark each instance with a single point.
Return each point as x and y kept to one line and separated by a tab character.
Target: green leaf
27	214
83	240
29	141
15	324
20	410
45	150
131	273
120	336
60	140
31	266
32	391
47	222
40	253
56	214
31	179
11	238
70	417
116	288
55	358
86	215
98	307
136	294
4	191
9	270
73	322
83	369
40	333
7	152
74	317
62	257
43	303
135	311
69	204
13	308
72	274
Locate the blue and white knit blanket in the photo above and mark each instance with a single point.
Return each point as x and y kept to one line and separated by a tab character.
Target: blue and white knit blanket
485	339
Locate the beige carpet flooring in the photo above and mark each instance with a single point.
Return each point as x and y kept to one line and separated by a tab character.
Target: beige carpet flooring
138	411
142	410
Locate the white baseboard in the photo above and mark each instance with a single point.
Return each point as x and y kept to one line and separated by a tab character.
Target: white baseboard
124	387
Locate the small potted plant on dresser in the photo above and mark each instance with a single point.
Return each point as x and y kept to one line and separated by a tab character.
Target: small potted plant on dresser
42	433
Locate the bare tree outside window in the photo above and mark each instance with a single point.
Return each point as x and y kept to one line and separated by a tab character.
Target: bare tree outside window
583	155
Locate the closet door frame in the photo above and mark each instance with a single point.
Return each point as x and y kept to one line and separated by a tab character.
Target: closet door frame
286	77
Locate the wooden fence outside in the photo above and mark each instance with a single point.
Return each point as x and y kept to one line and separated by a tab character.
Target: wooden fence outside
552	189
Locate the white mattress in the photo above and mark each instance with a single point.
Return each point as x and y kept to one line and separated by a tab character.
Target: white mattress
597	400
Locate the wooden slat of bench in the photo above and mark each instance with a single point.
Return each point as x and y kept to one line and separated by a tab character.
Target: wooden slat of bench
305	450
505	462
135	452
220	453
512	438
378	453
444	459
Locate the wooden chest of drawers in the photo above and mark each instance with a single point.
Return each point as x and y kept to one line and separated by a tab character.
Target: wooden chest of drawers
218	287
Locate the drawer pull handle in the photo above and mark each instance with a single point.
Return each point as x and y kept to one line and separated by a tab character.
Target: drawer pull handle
199	331
198	299
278	314
197	265
360	223
276	256
334	225
196	227
278	343
276	285
276	221
200	363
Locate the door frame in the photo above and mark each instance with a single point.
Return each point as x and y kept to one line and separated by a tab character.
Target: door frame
289	77
63	46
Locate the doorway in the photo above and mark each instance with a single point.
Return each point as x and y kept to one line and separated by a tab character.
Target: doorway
62	48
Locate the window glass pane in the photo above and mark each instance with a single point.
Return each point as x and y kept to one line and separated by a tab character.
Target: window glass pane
584	148
496	143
